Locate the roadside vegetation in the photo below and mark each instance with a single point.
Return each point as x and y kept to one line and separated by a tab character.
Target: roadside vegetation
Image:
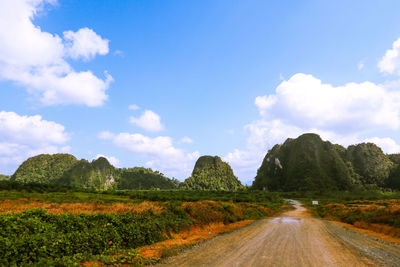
67	228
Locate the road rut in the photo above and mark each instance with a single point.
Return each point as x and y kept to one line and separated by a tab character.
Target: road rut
291	239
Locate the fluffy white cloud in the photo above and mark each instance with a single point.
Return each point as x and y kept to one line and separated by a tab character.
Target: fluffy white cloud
186	140
164	155
113	160
149	121
305	101
390	62
133	107
25	136
37	60
85	43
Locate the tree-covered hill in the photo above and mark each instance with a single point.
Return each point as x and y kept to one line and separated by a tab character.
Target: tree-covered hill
211	173
98	174
309	163
44	168
144	178
4	177
370	163
304	163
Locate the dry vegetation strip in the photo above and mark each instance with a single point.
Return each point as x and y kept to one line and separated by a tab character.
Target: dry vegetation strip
20	205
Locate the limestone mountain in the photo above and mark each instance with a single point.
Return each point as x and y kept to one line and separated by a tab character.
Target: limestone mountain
44	168
304	163
211	173
369	161
98	174
144	178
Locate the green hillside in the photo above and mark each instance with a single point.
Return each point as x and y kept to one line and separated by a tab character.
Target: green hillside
211	173
98	174
44	168
307	163
370	163
143	178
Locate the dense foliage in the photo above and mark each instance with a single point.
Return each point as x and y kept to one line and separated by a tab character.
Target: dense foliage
44	168
144	178
394	177
308	163
4	177
43	239
211	173
61	194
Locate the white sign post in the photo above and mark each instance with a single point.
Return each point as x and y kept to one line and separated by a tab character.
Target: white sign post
315	202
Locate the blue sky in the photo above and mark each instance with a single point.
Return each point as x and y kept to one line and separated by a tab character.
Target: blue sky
227	78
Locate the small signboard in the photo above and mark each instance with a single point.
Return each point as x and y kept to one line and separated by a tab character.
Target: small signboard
315	202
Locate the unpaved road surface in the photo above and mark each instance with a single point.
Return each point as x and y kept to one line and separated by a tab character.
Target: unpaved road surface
291	239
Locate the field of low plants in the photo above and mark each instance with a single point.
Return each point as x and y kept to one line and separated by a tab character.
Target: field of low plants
40	227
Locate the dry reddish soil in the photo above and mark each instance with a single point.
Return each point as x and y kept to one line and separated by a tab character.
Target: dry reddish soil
292	239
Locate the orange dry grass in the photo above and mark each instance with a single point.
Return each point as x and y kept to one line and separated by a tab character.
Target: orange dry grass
15	206
378	228
193	235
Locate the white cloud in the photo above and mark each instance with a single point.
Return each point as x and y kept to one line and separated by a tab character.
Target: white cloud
36	59
265	102
387	144
305	101
84	43
390	62
149	121
186	140
25	136
113	160
164	155
133	107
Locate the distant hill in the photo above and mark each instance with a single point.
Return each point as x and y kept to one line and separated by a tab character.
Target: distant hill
304	163
4	177
98	174
309	163
44	168
144	178
211	173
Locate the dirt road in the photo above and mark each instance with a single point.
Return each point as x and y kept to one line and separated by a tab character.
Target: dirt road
291	239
